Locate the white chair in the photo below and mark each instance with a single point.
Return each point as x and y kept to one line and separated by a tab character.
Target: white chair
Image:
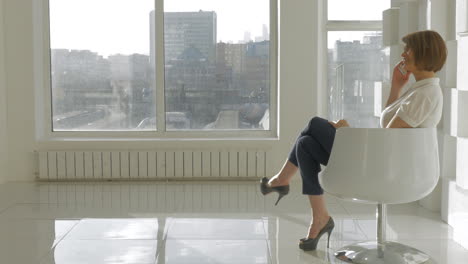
382	166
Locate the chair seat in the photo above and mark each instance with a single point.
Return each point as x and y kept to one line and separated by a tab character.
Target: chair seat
381	165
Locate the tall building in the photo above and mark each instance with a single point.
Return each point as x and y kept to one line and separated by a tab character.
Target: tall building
247	36
265	34
184	30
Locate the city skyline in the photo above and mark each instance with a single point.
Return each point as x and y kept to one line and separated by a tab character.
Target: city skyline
208	85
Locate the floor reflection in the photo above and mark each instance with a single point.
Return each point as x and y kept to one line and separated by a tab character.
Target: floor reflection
210	222
183	240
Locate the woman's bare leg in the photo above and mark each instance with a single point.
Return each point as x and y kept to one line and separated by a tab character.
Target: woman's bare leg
285	174
320	215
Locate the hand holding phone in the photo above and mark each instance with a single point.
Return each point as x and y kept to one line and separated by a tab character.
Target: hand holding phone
400	76
401	68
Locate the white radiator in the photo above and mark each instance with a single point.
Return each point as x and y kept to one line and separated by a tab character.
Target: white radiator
151	165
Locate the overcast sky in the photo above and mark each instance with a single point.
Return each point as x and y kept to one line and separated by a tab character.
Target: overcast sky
122	26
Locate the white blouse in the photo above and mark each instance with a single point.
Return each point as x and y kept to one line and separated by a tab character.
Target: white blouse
420	106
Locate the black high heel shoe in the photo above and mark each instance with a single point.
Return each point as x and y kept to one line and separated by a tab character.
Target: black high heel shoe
281	190
307	244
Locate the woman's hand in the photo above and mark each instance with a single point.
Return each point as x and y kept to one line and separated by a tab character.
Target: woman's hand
398	81
339	123
398	78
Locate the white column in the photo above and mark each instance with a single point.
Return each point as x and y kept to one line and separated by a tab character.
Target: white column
460	109
390	27
3	104
408	18
462	16
448	74
451	18
438	13
462	164
424	14
462	63
454	204
455	210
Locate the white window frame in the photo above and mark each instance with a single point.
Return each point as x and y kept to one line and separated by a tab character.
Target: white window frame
338	25
43	91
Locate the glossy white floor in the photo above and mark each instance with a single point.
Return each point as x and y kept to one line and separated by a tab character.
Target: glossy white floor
192	223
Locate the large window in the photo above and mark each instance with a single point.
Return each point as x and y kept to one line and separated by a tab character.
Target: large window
356	60
110	70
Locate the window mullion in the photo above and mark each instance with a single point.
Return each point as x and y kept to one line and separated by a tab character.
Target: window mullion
322	80
42	61
160	90
274	18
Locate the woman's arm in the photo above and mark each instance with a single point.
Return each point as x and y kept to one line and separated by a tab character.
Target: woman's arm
397	122
394	95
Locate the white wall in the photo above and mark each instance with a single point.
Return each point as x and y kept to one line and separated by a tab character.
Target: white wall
3	106
298	74
454	196
18	58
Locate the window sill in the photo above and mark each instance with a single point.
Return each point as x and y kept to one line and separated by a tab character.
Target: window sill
143	139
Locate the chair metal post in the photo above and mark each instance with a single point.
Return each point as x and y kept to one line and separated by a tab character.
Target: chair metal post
381	228
381	251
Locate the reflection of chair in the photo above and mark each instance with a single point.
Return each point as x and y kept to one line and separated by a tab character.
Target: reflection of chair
382	166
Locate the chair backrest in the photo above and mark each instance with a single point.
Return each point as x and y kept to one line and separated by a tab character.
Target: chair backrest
382	165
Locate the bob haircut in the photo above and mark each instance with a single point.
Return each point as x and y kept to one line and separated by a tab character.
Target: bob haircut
428	48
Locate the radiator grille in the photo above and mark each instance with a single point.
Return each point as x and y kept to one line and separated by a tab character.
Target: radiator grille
147	165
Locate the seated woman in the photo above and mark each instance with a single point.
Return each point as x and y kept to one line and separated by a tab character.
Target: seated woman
420	106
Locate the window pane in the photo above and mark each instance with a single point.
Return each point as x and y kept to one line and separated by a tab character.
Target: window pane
217	64
355	70
101	72
357	9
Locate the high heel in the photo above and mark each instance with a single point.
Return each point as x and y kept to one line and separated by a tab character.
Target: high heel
311	243
280	195
281	190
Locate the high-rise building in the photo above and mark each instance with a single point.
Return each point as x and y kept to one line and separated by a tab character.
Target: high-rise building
184	30
265	34
247	36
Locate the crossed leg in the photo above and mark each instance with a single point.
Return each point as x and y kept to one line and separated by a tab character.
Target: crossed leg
311	149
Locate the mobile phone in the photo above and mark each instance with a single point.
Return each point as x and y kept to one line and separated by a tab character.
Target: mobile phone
401	68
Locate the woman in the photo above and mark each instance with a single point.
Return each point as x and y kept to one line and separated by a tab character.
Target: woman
421	106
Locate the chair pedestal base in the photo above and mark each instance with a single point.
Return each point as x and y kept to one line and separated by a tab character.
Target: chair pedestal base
387	252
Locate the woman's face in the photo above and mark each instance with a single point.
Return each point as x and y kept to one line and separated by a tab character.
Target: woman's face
408	58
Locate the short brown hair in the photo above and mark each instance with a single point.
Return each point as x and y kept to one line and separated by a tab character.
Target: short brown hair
429	49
